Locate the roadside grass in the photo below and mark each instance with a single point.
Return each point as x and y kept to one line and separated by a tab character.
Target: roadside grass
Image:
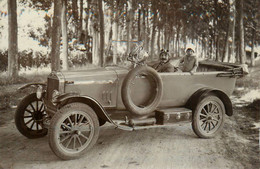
23	78
247	83
36	74
241	131
10	96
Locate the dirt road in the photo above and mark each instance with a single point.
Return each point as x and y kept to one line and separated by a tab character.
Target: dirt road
171	147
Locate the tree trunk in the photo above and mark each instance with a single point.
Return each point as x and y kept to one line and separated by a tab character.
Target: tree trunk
95	49
175	42
144	37
115	32
218	48
226	46
75	16
80	23
211	49
102	34
253	47
56	27
153	35
12	40
64	35
178	42
174	47
216	32
139	25
142	26
225	51
233	29
129	22
159	40
165	37
147	31
87	46
241	33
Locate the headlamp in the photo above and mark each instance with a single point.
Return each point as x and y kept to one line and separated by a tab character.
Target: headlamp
55	95
39	92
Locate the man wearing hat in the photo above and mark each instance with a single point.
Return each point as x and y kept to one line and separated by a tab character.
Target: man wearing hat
164	63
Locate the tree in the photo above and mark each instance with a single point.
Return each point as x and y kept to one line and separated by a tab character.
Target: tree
153	29
129	22
56	27
75	17
251	24
226	46
102	34
231	58
241	33
64	35
12	40
80	23
116	12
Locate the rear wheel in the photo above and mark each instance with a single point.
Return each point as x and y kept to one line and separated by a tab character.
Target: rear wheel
73	130
208	117
29	117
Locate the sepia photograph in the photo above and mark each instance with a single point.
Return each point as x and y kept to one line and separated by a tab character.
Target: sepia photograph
129	84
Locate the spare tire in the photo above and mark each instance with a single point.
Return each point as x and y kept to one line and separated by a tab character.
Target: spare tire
153	102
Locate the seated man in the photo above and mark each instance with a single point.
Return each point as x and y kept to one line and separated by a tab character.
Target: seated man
164	64
190	62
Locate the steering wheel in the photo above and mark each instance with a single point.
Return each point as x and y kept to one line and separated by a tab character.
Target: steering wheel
138	56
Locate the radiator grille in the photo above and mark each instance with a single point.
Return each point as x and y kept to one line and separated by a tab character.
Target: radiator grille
52	84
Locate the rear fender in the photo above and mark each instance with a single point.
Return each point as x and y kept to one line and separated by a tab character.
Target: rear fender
203	92
94	104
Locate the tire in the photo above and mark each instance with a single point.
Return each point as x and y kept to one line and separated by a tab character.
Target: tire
209	116
29	117
70	140
125	91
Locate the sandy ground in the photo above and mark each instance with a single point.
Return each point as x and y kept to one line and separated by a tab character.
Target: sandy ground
170	147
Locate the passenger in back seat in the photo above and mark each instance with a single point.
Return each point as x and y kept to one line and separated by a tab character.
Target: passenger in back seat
190	62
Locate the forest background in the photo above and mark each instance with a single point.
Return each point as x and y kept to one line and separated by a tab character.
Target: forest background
63	34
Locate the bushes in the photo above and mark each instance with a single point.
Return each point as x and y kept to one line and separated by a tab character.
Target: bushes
29	58
79	58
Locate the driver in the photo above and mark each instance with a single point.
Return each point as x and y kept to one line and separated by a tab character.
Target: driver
164	64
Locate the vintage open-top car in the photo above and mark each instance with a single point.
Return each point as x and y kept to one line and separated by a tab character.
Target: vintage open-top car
72	105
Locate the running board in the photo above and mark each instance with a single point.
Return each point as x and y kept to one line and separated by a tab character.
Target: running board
135	128
163	118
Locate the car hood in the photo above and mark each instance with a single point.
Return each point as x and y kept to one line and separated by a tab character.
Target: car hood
97	75
91	75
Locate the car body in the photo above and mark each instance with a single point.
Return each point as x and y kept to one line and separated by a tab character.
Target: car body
72	99
104	85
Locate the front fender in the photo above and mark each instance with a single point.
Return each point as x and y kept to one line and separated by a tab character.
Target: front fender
31	85
203	92
94	104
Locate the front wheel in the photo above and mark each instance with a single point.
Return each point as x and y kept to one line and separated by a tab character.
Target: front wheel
73	130
208	117
29	117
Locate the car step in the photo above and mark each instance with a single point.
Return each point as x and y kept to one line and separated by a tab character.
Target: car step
163	118
172	115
